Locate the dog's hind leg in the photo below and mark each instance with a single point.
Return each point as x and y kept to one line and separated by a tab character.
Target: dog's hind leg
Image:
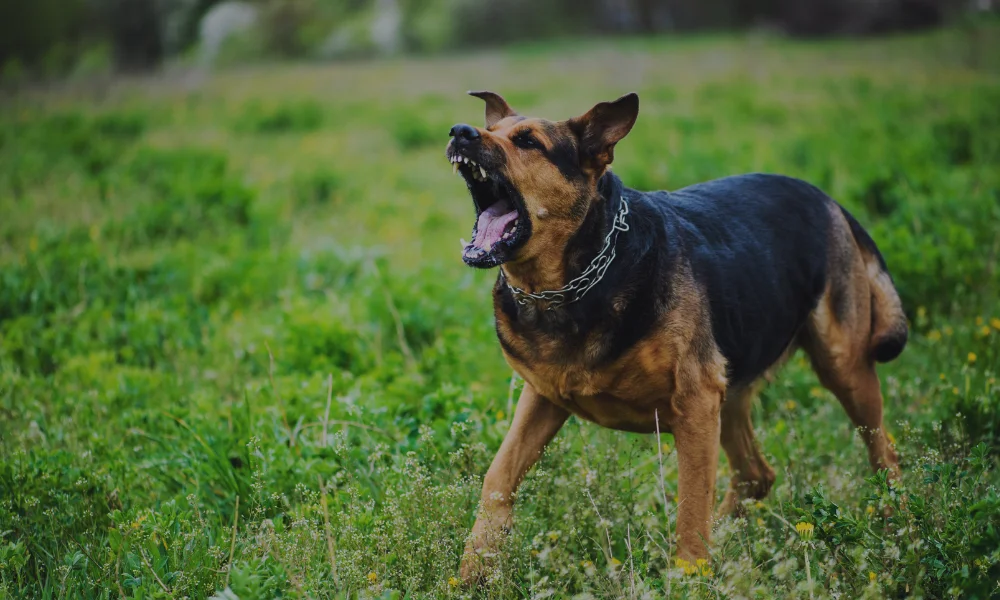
838	340
536	422
752	476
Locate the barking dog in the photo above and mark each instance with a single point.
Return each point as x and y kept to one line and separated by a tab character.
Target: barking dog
637	310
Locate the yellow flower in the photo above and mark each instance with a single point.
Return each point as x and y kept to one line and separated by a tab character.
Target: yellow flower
870	510
665	448
686	566
586	564
871	576
948	330
995	323
703	567
453	581
954	390
979	321
984	331
921	312
372	577
615	562
816	392
892	438
934	335
760	522
553	535
758	505
941	377
790	405
805	529
500	415
972	357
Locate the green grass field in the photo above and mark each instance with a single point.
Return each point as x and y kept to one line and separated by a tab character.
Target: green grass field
239	348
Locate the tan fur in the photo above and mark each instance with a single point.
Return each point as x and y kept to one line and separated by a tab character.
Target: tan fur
547	195
840	345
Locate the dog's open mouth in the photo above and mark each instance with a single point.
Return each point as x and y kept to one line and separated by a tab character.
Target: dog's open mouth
501	222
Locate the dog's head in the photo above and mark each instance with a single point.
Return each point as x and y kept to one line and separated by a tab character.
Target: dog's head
532	181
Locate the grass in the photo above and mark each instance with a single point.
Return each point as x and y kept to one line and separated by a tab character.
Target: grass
240	355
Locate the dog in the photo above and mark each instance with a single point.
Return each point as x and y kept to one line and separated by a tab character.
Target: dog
661	311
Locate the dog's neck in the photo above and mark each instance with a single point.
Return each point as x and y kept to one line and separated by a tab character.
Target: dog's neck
552	270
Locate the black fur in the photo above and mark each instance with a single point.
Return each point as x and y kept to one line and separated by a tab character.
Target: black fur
756	245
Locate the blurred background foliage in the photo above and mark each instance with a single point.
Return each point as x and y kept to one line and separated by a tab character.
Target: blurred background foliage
45	38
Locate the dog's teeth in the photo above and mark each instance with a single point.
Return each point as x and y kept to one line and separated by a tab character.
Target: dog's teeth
482	172
463	242
465	160
454	168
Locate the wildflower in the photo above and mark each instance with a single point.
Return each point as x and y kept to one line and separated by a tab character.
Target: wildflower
871	576
870	510
500	415
372	577
790	405
995	323
586	564
758	505
615	562
665	448
760	522
453	581
934	335
972	358
805	529
816	392
687	567
553	535
984	331
892	438
703	567
954	390
941	377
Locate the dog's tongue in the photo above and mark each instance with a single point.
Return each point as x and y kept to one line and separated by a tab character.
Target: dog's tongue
492	223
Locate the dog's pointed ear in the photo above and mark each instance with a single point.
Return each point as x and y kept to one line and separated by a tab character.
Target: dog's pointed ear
497	108
602	127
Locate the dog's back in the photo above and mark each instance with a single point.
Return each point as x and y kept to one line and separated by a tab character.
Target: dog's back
767	248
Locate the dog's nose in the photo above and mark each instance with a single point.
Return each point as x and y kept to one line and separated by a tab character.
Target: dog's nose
464	132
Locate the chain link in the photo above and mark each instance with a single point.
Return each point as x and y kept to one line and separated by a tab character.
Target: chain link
591	276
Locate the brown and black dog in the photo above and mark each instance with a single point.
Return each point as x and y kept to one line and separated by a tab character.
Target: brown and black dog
624	307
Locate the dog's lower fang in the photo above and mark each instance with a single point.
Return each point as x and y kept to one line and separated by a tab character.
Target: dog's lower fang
454	168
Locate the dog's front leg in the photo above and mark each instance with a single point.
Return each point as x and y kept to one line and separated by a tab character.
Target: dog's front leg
536	421
696	433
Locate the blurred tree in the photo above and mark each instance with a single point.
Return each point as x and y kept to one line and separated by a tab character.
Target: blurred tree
29	30
136	32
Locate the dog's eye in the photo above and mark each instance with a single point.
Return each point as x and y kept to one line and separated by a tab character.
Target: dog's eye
527	141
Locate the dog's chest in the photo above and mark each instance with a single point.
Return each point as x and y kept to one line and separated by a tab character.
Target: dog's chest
625	394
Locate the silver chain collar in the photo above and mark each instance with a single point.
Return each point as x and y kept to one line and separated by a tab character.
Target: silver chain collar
576	288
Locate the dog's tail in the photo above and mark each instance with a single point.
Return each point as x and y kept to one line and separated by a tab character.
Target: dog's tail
889	329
